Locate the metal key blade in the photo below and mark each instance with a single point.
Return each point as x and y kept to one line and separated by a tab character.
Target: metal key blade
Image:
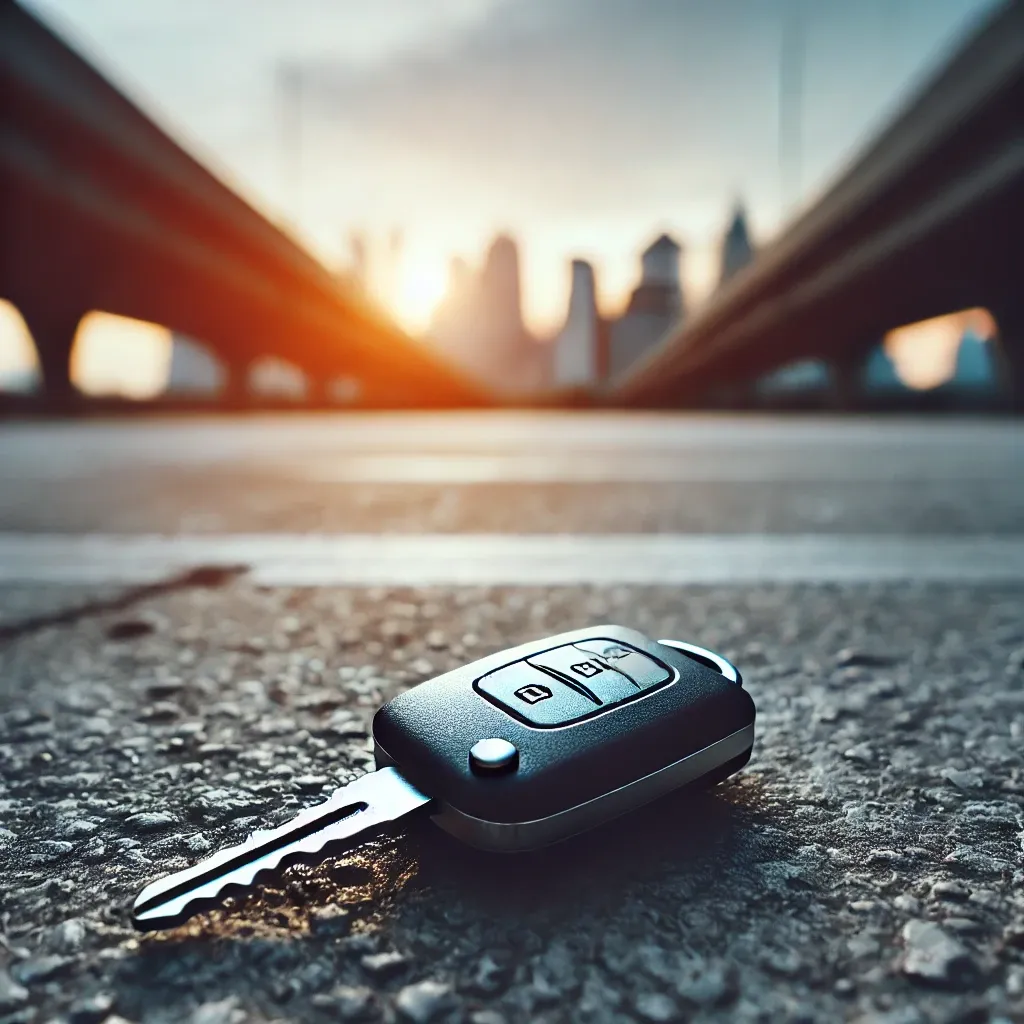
352	813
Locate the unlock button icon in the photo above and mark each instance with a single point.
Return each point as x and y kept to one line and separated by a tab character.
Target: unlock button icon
533	693
536	697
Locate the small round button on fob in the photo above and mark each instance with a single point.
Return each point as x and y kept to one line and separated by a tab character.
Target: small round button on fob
493	756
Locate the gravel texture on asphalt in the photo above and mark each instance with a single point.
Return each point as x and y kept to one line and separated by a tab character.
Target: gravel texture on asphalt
233	501
868	865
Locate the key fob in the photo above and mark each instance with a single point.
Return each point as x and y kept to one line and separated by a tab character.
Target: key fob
537	743
515	751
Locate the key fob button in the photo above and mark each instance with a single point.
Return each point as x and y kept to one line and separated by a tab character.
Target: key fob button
493	756
534	696
609	687
590	675
640	668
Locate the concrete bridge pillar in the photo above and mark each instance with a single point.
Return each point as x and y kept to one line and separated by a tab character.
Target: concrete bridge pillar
53	329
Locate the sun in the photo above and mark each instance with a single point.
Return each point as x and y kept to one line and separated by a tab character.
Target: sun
420	288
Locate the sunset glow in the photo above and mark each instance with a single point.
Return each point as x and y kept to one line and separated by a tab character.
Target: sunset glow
420	287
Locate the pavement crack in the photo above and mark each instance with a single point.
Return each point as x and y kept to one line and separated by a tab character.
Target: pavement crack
199	577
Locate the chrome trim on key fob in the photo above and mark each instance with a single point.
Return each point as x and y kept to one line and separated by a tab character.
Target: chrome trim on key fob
702	654
512	837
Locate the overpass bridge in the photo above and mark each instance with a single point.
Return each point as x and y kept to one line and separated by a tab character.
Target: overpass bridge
101	210
928	221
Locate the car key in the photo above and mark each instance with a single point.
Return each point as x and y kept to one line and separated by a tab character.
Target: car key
515	751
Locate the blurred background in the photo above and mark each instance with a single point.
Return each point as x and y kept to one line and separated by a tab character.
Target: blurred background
749	203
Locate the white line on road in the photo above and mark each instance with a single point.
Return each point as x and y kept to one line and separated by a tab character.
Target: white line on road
491	560
467	448
810	465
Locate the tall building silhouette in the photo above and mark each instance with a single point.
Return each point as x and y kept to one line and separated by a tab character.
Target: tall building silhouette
576	353
480	322
500	294
737	248
655	308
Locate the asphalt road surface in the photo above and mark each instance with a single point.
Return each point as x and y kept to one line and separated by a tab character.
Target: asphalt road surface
198	618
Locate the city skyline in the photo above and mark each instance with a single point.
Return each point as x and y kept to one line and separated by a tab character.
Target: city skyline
448	128
587	127
482	328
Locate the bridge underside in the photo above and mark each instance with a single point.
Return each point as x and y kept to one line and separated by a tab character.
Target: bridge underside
928	221
101	211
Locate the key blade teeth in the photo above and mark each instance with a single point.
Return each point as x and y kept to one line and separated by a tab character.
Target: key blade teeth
357	810
174	899
174	908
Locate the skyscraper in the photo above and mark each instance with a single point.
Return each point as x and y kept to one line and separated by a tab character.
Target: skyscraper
576	357
500	294
480	322
655	308
737	249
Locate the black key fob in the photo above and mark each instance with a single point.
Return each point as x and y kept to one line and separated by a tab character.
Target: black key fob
536	743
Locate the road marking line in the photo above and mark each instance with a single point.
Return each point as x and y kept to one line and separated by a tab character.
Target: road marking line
515	559
562	467
778	467
526	448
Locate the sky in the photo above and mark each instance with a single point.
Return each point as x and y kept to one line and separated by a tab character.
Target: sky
582	127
